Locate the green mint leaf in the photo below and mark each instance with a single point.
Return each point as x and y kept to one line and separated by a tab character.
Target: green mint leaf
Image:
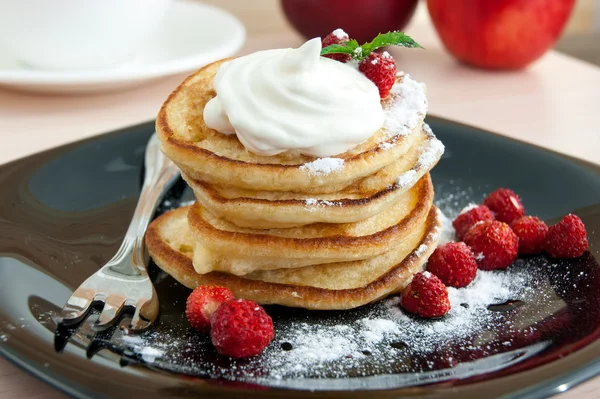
395	38
358	52
352	44
336	49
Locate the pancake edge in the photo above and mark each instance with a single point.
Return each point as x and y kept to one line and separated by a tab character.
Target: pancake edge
180	267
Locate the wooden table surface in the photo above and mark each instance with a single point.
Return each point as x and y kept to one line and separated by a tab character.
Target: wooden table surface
554	104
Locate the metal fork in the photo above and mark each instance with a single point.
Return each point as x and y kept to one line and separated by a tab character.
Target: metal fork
123	283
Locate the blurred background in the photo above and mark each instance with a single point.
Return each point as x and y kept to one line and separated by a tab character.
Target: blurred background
580	38
81	67
79	46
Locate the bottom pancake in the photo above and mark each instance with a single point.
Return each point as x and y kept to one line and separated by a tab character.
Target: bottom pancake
171	246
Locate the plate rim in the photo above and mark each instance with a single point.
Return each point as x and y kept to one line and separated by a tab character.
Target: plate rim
21	77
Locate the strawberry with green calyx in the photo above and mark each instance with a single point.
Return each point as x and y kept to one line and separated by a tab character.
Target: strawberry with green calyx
351	47
379	68
338	36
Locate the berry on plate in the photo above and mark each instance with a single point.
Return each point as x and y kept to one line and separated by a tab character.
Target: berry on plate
454	264
338	36
505	204
241	328
494	244
203	302
381	70
426	296
469	217
567	238
531	232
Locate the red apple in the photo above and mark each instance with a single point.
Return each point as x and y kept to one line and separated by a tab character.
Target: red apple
499	34
361	19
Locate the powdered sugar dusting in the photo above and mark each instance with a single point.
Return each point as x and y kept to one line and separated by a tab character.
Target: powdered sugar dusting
409	106
431	151
323	166
407	179
319	347
447	233
150	354
467	208
432	154
311	202
421	250
376	329
315	345
340	34
386	146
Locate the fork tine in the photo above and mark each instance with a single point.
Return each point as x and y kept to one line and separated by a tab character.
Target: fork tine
62	334
113	308
146	312
77	307
139	323
101	340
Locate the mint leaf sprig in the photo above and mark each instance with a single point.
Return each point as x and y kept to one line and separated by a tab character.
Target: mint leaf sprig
358	52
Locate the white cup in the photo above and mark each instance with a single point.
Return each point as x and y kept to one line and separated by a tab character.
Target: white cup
77	34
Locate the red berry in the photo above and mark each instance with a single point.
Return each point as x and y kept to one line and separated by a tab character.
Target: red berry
567	238
469	217
426	296
454	264
505	204
241	328
338	36
494	244
203	302
381	70
531	232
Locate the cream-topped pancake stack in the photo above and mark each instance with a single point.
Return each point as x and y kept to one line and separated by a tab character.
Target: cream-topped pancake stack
312	191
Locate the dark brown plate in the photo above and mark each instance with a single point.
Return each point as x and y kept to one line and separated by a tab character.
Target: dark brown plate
63	213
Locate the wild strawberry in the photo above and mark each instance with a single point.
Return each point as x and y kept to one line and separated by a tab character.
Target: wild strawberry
567	238
505	204
454	264
494	244
469	217
203	302
531	232
241	328
338	36
426	296
381	70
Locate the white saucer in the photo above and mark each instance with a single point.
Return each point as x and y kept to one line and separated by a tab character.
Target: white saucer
191	36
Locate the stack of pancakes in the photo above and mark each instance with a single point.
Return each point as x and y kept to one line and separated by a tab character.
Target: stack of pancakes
329	233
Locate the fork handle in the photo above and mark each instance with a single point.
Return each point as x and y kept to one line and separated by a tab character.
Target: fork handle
160	174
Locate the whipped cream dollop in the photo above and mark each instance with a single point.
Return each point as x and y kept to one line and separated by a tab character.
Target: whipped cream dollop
294	99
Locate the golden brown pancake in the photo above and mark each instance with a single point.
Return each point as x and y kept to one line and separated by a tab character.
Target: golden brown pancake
363	199
239	250
171	244
207	155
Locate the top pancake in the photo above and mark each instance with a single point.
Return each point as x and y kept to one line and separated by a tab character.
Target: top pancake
207	155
